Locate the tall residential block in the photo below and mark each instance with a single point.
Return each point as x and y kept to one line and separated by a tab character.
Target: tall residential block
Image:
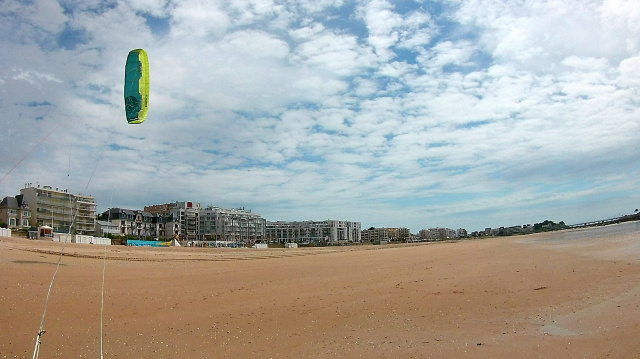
235	225
65	212
181	219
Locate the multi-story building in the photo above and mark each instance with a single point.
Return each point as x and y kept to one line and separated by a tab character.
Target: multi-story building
15	213
438	234
234	225
65	212
375	235
181	219
384	235
329	231
105	228
404	234
130	222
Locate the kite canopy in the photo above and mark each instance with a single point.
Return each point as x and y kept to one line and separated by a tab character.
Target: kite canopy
136	86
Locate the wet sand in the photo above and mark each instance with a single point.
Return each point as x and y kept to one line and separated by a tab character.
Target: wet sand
571	294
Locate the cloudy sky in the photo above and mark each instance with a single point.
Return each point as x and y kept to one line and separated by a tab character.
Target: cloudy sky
461	113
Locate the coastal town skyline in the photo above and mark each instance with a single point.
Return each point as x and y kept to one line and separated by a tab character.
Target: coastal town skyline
26	210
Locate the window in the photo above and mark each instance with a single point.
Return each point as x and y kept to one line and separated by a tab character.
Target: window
26	214
12	221
25	223
13	212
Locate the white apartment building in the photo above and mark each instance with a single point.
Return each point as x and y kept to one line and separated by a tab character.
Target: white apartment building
64	211
231	225
306	232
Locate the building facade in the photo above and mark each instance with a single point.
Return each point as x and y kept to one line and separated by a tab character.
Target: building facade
375	235
133	223
15	213
63	211
384	235
181	219
313	232
232	225
105	228
439	234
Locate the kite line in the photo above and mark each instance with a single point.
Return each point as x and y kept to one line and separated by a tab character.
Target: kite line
104	267
136	93
41	331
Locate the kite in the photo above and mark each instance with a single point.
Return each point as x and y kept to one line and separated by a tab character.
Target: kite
136	86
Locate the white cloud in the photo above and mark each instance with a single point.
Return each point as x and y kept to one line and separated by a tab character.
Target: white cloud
540	34
334	53
254	44
306	33
158	8
193	21
630	71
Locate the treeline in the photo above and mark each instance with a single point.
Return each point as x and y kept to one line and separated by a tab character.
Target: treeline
548	225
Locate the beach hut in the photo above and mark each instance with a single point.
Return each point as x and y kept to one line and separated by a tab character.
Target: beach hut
45	232
5	232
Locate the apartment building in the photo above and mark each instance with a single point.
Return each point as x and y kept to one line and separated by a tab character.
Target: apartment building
384	235
234	225
375	235
437	234
307	232
64	211
403	234
181	219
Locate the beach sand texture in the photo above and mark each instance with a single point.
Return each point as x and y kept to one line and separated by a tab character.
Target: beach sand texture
569	294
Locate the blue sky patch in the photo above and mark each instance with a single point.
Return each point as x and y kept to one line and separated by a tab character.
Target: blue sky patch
39	104
70	38
117	147
160	26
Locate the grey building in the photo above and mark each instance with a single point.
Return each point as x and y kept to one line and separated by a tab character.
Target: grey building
15	213
234	225
132	222
181	219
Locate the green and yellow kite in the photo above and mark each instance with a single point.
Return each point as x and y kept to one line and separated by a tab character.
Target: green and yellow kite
136	86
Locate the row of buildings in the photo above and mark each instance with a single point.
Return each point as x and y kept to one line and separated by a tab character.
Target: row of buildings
188	222
59	209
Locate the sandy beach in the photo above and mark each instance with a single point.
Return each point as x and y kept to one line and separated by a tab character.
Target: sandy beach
569	294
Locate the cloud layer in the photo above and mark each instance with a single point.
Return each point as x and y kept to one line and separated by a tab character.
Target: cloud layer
416	114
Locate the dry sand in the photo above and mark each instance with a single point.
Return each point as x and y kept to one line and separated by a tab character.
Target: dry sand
570	294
